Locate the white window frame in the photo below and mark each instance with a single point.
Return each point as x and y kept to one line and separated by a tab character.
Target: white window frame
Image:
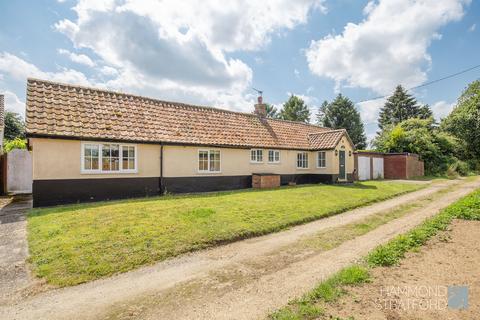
324	159
256	155
100	165
208	161
304	160
274	152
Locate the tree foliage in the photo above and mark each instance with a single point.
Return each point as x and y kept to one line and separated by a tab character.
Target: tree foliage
14	126
401	106
16	143
342	114
464	122
422	137
272	111
295	109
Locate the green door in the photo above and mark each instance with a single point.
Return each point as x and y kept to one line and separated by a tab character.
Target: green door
341	162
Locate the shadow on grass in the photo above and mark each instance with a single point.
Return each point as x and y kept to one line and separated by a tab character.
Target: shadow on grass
357	185
169	197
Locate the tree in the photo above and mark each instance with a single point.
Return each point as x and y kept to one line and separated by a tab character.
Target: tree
401	106
342	114
295	109
321	113
272	112
14	126
464	122
422	137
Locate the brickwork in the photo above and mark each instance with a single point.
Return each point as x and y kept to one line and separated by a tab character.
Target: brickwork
265	181
403	166
395	165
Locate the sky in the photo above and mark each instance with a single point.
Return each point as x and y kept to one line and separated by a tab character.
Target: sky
214	54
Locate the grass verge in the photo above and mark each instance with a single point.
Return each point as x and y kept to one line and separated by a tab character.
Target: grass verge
78	243
310	306
467	208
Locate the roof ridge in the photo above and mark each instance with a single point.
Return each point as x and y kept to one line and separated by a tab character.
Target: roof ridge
188	105
327	131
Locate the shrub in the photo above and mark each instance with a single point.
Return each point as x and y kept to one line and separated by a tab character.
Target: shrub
16	143
457	168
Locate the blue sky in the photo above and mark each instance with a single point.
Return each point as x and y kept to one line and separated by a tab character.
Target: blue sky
215	53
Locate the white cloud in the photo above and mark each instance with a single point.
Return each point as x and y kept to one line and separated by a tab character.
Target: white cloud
108	71
77	58
472	27
296	73
441	109
20	69
388	47
13	103
259	60
179	49
369	110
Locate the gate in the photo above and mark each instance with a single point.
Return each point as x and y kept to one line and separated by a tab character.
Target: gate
18	171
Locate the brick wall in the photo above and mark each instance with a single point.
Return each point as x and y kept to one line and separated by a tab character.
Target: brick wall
395	167
415	167
402	166
265	181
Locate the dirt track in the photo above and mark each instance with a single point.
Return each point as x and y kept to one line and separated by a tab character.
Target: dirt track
450	259
235	281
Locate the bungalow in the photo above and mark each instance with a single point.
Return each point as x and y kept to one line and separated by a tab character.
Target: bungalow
90	144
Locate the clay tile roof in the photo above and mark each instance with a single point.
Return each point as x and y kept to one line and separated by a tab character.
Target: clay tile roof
326	140
61	110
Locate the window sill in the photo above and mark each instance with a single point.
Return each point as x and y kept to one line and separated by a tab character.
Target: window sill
209	172
109	172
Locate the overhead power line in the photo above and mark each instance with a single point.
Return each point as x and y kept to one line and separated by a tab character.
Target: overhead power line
426	83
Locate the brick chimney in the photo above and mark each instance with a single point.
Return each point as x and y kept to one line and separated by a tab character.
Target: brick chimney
260	108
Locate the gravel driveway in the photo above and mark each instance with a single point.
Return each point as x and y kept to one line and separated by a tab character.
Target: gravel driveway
13	246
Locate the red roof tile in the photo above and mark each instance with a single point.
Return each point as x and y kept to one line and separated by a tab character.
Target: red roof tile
62	110
326	140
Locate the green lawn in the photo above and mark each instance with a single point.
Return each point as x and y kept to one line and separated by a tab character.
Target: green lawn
78	243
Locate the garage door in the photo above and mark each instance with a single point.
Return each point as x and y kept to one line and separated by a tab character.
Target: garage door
363	168
377	168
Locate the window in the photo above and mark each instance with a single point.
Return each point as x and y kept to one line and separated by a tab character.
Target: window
321	159
273	156
128	158
302	160
90	159
209	161
108	157
256	155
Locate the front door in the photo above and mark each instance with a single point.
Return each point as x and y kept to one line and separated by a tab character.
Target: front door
341	162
